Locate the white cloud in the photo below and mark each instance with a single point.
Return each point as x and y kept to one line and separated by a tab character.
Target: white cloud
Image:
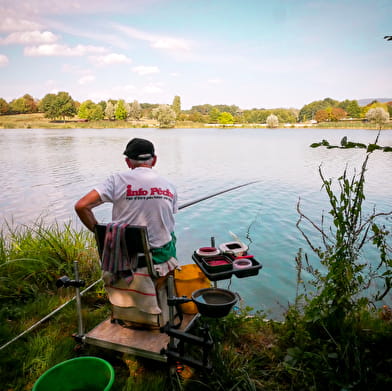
170	43
126	92
145	70
157	41
126	88
51	86
74	7
215	81
86	79
62	50
70	68
3	60
29	37
9	24
110	59
152	89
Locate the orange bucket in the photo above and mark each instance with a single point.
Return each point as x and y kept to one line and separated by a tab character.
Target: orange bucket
188	280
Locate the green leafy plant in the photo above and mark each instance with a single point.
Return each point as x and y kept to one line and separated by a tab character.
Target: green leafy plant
327	323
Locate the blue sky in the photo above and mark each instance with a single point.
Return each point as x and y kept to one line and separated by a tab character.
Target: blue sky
263	54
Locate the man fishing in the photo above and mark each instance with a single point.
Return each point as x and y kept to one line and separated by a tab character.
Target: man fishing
140	197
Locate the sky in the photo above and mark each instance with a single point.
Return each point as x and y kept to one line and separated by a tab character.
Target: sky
249	53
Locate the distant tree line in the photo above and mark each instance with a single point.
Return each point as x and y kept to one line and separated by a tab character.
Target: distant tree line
333	110
61	106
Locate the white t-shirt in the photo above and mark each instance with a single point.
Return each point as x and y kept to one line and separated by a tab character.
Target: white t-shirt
141	197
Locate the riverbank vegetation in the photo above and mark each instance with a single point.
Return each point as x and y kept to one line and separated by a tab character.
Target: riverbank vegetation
61	111
336	335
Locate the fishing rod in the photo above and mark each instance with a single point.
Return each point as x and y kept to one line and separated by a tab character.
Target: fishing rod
183	206
190	203
45	318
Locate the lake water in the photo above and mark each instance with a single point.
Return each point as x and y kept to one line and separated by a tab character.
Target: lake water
43	173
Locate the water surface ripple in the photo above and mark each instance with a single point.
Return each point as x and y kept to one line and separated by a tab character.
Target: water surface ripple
43	173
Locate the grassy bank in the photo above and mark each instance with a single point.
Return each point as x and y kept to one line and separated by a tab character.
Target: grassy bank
250	353
31	260
38	121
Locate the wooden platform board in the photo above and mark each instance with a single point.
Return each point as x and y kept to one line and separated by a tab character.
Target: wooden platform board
143	343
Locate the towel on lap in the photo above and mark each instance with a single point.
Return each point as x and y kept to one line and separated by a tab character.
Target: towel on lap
141	292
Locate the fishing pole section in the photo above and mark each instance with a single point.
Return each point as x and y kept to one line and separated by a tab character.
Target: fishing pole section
190	203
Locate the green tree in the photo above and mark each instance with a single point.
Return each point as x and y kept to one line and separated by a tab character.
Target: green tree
85	109
97	113
176	105
214	115
4	107
389	108
351	107
90	111
31	103
165	115
56	106
226	118
285	115
102	103
378	115
46	103
195	116
25	104
64	105
256	116
232	109
120	111
135	111
109	110
147	109
202	109
18	106
308	112
272	121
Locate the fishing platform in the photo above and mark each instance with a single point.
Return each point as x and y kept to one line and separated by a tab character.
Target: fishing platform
177	338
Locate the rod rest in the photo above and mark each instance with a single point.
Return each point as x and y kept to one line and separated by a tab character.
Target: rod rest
65	282
177	352
178	300
205	340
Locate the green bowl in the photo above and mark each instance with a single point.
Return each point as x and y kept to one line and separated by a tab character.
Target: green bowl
77	374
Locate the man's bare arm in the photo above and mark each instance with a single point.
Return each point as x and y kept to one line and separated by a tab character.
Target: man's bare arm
84	209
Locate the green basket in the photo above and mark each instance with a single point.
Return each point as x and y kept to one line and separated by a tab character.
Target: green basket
77	374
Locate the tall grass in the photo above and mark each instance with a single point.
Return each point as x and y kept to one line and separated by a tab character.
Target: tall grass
32	258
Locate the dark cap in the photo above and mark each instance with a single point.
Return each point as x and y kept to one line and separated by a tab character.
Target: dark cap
139	149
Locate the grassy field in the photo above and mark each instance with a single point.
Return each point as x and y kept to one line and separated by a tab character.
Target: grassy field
38	121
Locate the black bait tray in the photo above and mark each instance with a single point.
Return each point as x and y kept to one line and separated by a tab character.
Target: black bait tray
217	263
216	275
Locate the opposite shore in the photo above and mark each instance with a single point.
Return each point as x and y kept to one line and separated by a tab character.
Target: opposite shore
38	121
